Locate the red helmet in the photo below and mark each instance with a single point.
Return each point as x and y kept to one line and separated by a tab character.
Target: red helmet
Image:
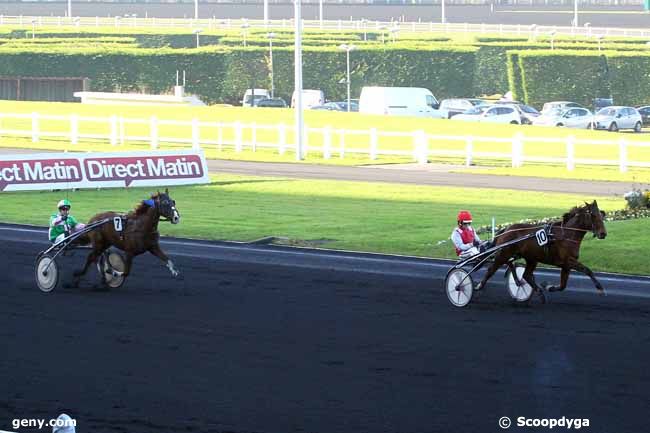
464	217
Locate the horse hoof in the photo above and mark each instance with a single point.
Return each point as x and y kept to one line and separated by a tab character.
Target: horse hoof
542	296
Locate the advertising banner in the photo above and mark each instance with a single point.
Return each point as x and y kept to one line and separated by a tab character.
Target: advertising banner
48	171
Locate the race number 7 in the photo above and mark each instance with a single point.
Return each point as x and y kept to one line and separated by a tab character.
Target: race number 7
117	224
542	237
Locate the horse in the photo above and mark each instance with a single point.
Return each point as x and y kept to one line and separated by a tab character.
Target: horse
134	233
562	249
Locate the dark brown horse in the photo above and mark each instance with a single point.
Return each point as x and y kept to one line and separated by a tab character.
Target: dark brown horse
134	233
562	249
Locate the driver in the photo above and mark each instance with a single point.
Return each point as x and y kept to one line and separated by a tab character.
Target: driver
62	223
464	237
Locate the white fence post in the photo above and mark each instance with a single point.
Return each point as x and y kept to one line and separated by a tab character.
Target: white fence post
238	137
74	129
327	142
282	138
373	143
254	136
35	127
622	148
341	143
153	132
219	136
570	153
517	150
196	134
420	146
113	126
469	150
122	130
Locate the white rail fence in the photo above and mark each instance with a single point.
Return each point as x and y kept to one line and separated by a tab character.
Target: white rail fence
418	145
389	28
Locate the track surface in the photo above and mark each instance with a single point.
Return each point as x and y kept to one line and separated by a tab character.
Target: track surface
598	16
261	345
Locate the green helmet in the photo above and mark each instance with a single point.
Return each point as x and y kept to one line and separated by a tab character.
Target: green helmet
64	202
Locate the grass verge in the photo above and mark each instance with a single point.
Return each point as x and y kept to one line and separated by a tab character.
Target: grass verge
383	218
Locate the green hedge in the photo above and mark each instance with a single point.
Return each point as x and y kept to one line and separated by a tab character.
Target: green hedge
223	74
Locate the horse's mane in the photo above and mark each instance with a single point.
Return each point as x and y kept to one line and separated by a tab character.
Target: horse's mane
141	208
573	212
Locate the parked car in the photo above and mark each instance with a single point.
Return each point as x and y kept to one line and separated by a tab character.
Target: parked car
337	106
272	103
253	96
617	117
399	101
568	117
527	113
310	98
500	113
559	104
645	114
450	107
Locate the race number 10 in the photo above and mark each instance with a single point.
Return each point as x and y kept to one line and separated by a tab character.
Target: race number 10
542	237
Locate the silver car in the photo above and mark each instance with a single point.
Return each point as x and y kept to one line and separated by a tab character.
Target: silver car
616	117
568	117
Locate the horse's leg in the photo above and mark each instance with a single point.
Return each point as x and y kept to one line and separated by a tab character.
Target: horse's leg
498	262
564	278
529	277
92	256
156	251
585	270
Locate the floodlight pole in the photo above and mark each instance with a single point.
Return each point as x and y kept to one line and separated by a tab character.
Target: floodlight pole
196	9
299	122
575	13
70	9
443	19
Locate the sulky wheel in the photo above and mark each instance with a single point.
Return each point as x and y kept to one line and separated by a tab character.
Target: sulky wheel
459	287
111	265
522	292
47	273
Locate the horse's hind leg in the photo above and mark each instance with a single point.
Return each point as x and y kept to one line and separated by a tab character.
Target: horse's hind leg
529	277
94	255
498	262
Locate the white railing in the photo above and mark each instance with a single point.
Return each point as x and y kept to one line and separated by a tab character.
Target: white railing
418	145
391	29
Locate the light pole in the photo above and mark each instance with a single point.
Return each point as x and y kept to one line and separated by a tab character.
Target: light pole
575	13
347	48
196	9
33	28
552	34
443	19
69	9
266	12
196	32
244	28
299	126
271	36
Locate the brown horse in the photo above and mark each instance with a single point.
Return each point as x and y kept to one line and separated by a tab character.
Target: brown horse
133	233
562	249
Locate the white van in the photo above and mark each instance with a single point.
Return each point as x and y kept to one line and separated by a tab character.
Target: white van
310	98
253	96
399	101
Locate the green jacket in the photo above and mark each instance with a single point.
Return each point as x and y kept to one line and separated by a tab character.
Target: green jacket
57	226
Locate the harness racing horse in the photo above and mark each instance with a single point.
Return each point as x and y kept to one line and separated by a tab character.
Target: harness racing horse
134	233
562	249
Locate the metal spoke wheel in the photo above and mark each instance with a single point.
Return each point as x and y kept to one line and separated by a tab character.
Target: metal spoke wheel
519	292
47	273
459	287
111	266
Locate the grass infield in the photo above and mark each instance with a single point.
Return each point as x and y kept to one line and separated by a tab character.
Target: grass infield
376	217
